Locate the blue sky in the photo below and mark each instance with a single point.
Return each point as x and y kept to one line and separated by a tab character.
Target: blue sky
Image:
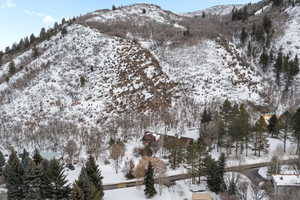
20	18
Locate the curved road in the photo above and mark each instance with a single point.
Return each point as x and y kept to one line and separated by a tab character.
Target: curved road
249	170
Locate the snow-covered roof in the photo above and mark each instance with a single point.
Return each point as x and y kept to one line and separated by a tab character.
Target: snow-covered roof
286	180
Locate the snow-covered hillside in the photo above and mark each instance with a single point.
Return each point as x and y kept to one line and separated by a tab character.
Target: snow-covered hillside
139	14
215	10
81	77
213	73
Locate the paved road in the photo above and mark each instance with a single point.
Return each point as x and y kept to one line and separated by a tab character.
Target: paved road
243	169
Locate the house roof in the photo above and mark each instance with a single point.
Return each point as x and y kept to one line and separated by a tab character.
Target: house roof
286	180
202	196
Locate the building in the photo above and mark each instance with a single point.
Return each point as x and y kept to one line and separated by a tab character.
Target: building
202	196
286	183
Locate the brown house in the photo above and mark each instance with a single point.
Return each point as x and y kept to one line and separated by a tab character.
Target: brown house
148	138
202	196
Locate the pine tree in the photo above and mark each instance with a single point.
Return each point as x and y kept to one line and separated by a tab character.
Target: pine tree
94	175
37	158
221	172
244	35
296	127
195	155
203	14
205	119
278	67
12	68
46	184
13	174
33	180
260	140
77	193
25	159
273	125
43	34
32	38
267	24
2	162
286	120
84	184
149	182
213	179
264	60
95	193
274	168
35	52
58	179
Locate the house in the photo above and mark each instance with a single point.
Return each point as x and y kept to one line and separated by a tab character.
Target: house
150	138
286	182
202	196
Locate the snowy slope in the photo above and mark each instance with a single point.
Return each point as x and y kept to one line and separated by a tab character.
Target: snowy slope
139	14
213	73
115	70
219	10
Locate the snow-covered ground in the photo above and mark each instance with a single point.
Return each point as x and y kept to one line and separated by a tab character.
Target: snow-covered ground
180	191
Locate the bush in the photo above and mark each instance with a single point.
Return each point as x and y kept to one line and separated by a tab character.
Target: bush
82	81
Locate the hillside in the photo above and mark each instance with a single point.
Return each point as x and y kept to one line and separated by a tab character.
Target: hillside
119	61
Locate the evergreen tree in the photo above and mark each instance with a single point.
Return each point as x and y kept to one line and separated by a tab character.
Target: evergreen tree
25	159
267	24
84	184
278	67
149	182
277	2
37	158
2	162
195	155
95	193
35	52
260	140
264	60
244	35
273	125
33	180
43	34
203	14
58	179
32	38
221	172
94	175
296	127
46	184
274	168
205	119
213	178
77	193
13	174
12	68
286	120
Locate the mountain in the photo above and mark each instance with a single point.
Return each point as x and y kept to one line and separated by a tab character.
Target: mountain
219	10
140	59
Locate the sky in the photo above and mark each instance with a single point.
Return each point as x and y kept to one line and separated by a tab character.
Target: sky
20	18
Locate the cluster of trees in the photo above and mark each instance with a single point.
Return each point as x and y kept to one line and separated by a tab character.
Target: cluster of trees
32	40
286	66
282	64
89	184
240	14
34	178
261	33
31	178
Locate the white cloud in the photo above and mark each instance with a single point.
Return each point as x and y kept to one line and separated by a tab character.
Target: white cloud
47	19
7	4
